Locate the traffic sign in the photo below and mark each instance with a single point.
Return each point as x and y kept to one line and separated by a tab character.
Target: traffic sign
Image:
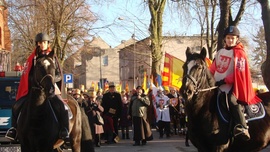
68	78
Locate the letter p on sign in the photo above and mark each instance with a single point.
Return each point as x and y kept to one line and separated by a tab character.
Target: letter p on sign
68	78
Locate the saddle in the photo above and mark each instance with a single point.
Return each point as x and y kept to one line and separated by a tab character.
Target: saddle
252	112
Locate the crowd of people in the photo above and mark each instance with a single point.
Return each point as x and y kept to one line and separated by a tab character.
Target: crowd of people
123	111
136	110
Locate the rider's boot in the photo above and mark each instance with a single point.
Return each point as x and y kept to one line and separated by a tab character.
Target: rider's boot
241	128
63	118
12	132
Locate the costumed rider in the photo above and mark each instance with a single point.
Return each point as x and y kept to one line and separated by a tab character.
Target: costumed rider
231	72
42	41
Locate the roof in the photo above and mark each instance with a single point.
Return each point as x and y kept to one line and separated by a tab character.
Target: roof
125	43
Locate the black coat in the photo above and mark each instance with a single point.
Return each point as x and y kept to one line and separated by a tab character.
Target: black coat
111	102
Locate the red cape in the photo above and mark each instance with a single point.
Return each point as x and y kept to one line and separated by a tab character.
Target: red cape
243	89
23	86
24	81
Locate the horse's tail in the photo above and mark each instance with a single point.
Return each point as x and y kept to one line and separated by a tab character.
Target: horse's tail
74	127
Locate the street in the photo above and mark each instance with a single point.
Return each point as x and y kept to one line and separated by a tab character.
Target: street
175	143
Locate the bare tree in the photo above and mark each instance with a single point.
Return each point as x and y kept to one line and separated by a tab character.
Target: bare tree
266	23
156	8
206	15
68	22
259	53
226	17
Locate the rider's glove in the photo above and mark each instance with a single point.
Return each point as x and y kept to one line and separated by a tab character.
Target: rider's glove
220	82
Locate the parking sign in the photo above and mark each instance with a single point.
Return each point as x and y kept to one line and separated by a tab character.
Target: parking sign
68	78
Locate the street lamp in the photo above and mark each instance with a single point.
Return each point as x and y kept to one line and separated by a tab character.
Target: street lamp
134	48
98	49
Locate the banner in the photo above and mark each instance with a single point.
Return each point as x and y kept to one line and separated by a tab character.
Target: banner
127	87
208	62
144	84
119	87
172	73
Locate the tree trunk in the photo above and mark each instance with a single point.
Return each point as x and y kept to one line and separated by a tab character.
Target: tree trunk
224	20
156	8
266	24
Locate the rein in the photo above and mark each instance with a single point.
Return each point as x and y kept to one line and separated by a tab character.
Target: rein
40	87
195	82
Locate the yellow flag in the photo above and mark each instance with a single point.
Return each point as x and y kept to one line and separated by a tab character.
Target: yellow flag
127	87
119	87
144	84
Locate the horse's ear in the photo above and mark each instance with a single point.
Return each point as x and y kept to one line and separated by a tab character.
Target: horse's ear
188	52
203	52
51	54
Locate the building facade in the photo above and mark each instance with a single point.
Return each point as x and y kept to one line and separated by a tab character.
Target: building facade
93	64
136	59
5	41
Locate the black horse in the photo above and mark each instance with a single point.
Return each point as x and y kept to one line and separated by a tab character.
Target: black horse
199	91
38	129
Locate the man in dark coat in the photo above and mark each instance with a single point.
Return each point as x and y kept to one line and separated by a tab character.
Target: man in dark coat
112	104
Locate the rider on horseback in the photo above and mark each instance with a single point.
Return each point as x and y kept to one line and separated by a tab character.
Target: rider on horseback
231	72
42	47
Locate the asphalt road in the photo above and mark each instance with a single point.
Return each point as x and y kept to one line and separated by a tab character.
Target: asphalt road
175	143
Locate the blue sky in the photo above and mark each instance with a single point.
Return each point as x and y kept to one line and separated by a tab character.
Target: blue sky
136	19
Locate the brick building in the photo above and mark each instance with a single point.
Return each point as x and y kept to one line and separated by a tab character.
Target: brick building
5	41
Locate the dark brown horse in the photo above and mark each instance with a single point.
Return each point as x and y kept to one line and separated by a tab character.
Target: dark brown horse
207	131
38	127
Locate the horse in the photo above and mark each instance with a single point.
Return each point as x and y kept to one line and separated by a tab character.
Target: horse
207	131
37	124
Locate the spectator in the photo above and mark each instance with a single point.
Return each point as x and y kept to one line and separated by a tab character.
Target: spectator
163	118
138	111
174	108
151	110
112	104
125	123
92	110
87	136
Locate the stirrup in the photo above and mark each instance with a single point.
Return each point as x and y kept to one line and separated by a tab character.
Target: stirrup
239	130
11	134
63	134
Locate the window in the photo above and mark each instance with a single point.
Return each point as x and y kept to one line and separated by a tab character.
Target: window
105	61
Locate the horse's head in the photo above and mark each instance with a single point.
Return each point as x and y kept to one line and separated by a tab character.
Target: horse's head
197	78
44	73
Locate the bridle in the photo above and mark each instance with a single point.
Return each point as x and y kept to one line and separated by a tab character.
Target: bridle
198	86
39	83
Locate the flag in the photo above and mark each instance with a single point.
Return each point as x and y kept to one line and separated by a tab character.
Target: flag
96	86
159	80
106	86
144	84
127	87
208	62
172	73
119	87
93	84
151	82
